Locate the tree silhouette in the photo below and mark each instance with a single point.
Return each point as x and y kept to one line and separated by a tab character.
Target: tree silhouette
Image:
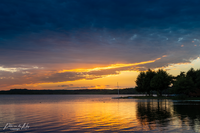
161	81
187	83
147	81
140	82
143	81
183	85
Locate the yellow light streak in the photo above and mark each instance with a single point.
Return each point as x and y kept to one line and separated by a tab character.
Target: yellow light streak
111	66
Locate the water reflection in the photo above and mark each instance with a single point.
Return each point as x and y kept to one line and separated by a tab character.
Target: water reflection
182	117
189	114
154	113
87	113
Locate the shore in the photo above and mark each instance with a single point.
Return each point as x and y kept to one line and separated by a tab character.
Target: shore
163	97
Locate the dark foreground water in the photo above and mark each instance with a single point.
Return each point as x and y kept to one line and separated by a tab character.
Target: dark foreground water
95	113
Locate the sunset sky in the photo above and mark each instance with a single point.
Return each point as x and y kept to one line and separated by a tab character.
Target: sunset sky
93	44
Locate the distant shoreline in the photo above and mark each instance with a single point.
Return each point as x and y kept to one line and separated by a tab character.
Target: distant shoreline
65	92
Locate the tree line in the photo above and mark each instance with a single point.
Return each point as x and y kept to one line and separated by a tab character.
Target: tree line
150	81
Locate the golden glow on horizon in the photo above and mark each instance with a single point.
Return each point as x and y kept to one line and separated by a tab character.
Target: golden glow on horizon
175	69
125	78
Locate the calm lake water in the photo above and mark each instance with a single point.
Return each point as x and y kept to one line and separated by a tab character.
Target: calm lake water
95	113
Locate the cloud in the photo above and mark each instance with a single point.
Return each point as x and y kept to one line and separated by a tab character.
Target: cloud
35	75
62	16
133	37
65	85
54	35
87	87
74	87
180	39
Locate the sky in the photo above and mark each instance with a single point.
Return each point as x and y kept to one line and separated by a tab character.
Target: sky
93	44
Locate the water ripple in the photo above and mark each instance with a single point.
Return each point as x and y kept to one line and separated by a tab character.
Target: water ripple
99	113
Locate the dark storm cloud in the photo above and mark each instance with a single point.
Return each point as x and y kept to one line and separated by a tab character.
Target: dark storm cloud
43	33
59	15
18	17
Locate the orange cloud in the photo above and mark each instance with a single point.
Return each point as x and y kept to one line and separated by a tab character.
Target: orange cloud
51	77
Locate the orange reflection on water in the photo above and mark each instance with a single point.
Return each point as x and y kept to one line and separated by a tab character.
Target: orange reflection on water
104	115
89	113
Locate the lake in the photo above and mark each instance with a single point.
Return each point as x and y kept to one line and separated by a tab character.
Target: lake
96	113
